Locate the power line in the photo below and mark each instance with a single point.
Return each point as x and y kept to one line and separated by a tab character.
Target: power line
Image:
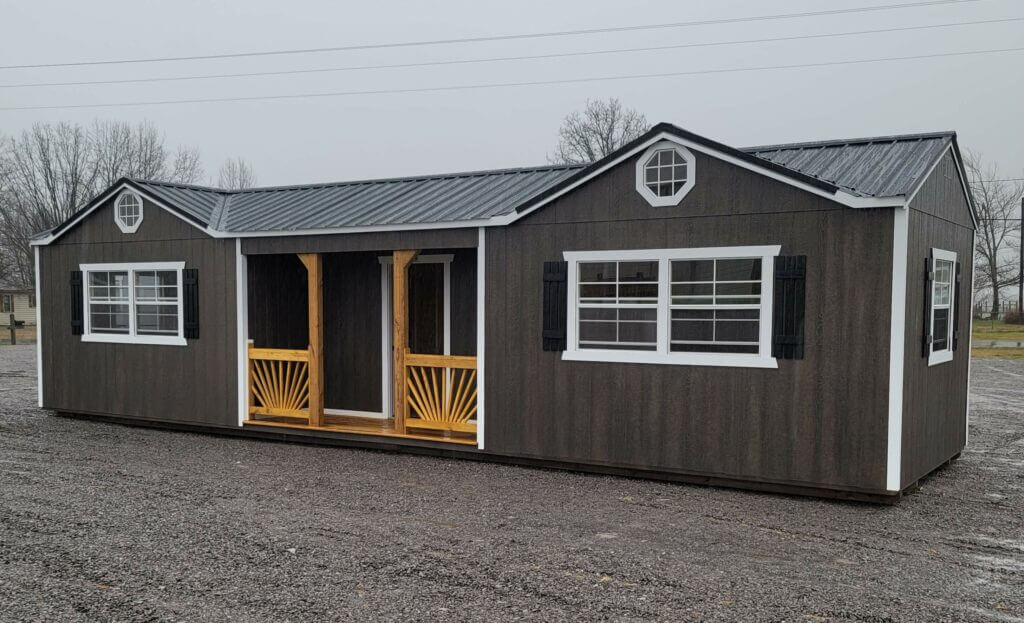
1007	179
503	58
494	85
538	35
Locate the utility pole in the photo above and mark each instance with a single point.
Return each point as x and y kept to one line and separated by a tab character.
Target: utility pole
1020	269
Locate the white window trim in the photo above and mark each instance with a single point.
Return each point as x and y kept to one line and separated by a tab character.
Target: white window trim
691	174
131	337
763	359
127	229
943	356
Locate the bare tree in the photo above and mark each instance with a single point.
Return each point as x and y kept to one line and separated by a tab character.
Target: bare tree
236	174
601	128
52	170
999	226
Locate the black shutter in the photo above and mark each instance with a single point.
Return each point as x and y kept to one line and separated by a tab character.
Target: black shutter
190	303
788	307
556	305
929	277
956	308
77	304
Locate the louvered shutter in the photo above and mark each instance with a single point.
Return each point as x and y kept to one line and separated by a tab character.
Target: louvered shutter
929	279
190	302
956	308
77	304
556	305
788	307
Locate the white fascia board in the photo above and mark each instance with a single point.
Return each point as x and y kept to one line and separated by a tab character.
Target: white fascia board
113	191
840	196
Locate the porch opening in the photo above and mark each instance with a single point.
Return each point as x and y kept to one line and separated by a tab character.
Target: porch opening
347	382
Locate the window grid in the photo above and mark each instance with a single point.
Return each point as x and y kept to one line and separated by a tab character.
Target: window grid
665	172
129	210
719	307
624	301
123	303
942	305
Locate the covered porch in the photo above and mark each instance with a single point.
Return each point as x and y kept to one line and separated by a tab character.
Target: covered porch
379	343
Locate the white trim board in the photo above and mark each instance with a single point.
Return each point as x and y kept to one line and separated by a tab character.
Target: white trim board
897	329
39	331
481	342
242	329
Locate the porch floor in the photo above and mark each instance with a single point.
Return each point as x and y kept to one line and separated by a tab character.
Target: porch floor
357	426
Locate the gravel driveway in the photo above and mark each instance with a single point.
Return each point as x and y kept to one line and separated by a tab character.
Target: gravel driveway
100	522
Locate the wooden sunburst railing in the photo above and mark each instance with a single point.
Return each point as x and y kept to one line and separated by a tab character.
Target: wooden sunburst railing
441	392
279	382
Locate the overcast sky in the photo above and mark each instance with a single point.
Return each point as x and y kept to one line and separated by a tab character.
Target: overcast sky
365	136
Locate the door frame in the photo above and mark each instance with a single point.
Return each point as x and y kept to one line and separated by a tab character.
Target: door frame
386	284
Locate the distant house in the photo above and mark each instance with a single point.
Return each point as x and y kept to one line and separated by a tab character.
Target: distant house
18	301
788	317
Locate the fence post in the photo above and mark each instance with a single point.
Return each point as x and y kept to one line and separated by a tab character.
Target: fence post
14	339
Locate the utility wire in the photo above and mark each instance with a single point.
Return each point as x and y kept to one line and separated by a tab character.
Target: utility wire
495	85
503	58
538	35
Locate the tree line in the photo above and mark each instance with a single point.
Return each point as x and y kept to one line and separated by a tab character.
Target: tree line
51	170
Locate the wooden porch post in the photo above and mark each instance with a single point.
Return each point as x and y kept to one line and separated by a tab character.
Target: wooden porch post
315	289
400	330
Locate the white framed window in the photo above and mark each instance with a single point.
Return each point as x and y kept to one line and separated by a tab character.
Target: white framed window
128	212
943	301
665	173
708	306
137	303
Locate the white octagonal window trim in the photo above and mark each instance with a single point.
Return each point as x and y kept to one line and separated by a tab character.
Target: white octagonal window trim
665	173
128	212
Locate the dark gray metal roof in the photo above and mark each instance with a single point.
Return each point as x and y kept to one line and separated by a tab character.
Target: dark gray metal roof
196	201
886	166
882	166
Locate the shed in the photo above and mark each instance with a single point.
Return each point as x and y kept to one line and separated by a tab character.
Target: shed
787	317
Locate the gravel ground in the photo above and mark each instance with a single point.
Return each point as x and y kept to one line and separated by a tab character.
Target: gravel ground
100	522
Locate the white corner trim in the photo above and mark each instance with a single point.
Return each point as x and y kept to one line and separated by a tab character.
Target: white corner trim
131	337
662	354
242	329
125	227
970	342
481	342
39	332
897	329
641	173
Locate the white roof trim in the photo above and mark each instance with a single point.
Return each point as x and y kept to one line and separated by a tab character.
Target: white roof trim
840	196
959	173
103	199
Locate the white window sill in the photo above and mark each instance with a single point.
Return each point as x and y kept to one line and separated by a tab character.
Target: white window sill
725	360
114	338
943	356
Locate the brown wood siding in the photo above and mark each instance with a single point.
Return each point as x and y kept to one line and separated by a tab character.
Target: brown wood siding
935	397
817	421
370	241
194	383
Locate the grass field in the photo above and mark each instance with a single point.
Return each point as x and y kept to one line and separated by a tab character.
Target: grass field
997	330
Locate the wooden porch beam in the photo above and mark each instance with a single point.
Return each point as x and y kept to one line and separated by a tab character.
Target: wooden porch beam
315	288
400	330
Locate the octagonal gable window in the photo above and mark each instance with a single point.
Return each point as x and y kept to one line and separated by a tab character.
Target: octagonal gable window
665	173
128	212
